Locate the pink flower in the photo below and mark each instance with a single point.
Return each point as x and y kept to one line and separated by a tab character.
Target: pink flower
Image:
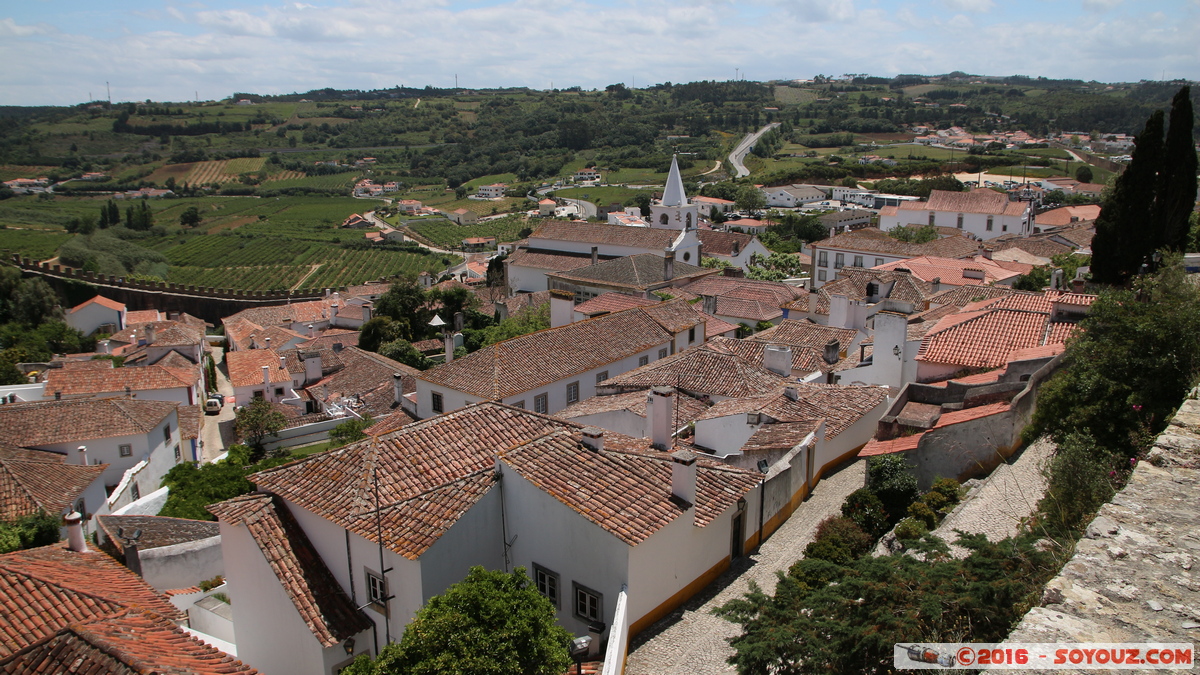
1137	408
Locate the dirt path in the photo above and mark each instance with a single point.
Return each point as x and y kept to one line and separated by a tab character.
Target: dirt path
312	269
716	166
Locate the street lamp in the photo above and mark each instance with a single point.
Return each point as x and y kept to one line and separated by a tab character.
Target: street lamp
579	649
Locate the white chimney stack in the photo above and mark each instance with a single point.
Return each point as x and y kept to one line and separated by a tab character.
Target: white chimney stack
778	359
448	340
311	333
366	309
683	476
105	347
562	308
267	379
668	264
83	455
75	539
658	416
283	362
593	438
150	334
397	388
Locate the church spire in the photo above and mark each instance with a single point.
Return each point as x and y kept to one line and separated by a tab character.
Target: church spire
673	194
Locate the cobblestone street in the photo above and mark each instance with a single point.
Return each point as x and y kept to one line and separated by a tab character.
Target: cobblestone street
1008	496
691	641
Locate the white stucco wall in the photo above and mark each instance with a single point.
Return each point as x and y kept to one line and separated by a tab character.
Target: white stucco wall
475	539
527	279
973	223
151	446
182	565
724	435
91	317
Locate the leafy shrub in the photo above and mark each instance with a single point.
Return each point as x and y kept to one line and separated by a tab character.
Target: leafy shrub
30	531
935	500
1081	479
923	513
209	584
948	488
838	540
865	509
889	478
910	529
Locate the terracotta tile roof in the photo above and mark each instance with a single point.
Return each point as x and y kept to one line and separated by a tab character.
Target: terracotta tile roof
517	303
76	382
634	402
365	383
603	233
528	361
984	334
49	422
157	531
877	447
641	272
714	327
611	302
1042	248
1081	236
964	295
805	334
839	405
713	242
1078	299
675	316
779	436
99	300
76	364
33	480
429	473
378	288
314	591
626	492
308	311
772	292
393	421
347	338
952	271
1059	333
142	316
548	260
45	589
804	359
678	293
852	283
245	367
749	310
166	333
977	201
180	365
873	240
130	642
700	371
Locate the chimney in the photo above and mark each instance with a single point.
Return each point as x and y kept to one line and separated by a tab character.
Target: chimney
683	476
658	416
562	308
1077	285
311	333
737	247
253	342
593	438
791	393
831	352
105	347
778	359
312	365
337	347
595	254
327	292
668	265
150	331
366	312
82	455
987	253
133	559
710	305
458	322
75	539
58	395
397	388
1056	279
448	340
267	381
283	362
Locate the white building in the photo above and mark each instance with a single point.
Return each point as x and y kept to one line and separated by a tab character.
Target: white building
493	191
95	314
674	211
791	196
981	213
735	248
871	247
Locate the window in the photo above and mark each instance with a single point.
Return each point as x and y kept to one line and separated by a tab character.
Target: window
823	258
377	590
960	221
167	433
692	334
258	393
1004	228
662	353
279	391
546	582
663	219
878	261
931	217
125	450
687	255
601	376
858	261
839	261
687	222
438	404
519	404
540	404
643	360
588	603
820	275
135	492
178	455
572	392
989	223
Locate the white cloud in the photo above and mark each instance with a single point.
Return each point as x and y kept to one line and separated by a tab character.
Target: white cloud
10	28
1101	5
976	6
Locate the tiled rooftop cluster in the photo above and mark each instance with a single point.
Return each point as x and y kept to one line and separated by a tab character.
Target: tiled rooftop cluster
35	480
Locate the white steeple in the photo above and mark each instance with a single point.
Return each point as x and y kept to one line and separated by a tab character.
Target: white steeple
673	194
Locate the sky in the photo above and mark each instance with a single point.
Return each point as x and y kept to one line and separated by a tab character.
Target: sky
62	52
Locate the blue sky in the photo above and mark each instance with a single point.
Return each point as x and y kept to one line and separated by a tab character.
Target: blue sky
57	51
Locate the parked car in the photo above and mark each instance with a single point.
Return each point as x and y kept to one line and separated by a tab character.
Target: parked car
213	405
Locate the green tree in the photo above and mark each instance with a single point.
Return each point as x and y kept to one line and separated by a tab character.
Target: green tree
409	305
1125	234
29	531
914	234
750	198
889	477
402	351
34	302
491	623
258	420
190	217
1176	197
1083	174
378	331
349	431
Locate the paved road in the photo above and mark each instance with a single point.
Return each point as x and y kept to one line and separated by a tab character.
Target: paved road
692	641
1008	497
216	431
739	153
588	208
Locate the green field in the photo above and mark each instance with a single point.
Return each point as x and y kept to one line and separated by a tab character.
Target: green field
37	244
600	196
445	234
794	96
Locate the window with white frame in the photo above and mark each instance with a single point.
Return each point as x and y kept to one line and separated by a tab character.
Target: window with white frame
960	221
547	583
167	433
822	258
572	392
839	260
820	275
662	353
601	376
643	360
541	403
878	262
125	450
588	603
858	261
377	594
519	404
178	454
990	220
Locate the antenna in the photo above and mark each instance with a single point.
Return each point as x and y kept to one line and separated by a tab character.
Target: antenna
109	89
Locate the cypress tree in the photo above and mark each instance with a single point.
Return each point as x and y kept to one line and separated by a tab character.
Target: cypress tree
1126	230
1177	179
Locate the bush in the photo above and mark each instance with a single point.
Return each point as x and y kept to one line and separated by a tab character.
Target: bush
30	531
910	529
935	500
838	540
948	488
889	478
923	513
1081	479
865	509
